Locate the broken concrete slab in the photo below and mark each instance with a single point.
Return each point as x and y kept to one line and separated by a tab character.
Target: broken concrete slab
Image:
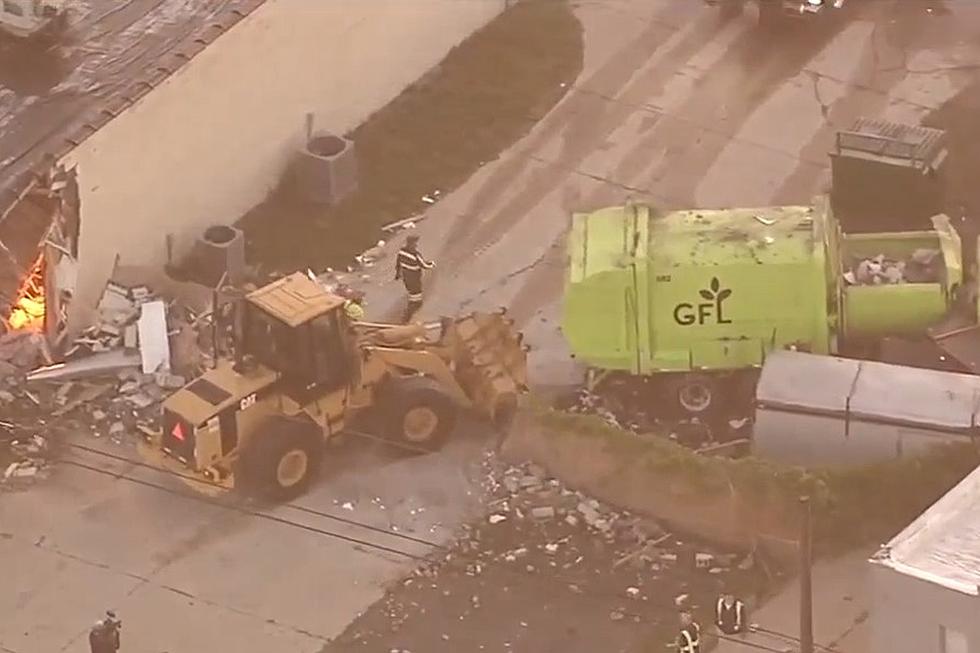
131	337
543	512
154	342
115	298
141	400
104	363
169	381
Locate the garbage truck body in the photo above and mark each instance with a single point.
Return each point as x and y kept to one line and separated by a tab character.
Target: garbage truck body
696	298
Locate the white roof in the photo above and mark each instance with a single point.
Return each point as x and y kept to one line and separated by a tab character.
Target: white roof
942	546
916	396
870	390
807	381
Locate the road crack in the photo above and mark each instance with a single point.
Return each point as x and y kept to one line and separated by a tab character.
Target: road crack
503	280
824	107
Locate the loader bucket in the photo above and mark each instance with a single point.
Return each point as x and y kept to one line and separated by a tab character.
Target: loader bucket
491	364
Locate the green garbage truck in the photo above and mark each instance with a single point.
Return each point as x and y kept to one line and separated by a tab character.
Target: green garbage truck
691	302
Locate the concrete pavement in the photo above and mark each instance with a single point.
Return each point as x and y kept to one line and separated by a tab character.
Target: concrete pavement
186	573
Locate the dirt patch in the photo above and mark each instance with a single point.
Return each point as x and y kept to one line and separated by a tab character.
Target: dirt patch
959	118
485	95
549	569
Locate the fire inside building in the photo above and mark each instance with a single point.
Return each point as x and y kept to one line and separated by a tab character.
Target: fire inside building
28	306
38	250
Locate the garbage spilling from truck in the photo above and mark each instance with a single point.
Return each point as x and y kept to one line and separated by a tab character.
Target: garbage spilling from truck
922	266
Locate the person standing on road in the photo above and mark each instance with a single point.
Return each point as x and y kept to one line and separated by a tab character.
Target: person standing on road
104	636
689	639
730	614
408	268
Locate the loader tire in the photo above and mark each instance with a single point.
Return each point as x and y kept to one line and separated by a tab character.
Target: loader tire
281	459
694	394
419	412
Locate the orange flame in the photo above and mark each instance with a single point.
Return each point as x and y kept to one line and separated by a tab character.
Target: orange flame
28	309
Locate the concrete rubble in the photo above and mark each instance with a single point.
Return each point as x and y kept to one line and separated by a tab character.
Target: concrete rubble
541	538
98	385
27	460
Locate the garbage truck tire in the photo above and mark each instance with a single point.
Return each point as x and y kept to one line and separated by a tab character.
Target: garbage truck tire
694	394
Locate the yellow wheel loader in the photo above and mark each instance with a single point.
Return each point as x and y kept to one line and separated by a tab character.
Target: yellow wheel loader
301	371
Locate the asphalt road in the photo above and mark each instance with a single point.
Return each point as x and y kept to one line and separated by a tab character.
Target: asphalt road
674	106
191	572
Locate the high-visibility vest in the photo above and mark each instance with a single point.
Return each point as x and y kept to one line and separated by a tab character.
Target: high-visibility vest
729	617
354	310
411	262
690	639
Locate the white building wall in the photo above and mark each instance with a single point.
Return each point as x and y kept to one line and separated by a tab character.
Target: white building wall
908	614
212	140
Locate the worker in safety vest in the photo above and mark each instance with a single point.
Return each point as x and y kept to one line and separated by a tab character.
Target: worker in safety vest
408	268
689	639
354	306
730	614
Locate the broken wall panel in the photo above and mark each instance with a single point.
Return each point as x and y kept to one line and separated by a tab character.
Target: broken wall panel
213	139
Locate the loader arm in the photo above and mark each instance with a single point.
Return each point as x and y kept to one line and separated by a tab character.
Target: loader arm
478	358
424	362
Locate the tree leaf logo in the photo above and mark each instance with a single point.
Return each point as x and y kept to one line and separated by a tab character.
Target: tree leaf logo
714	291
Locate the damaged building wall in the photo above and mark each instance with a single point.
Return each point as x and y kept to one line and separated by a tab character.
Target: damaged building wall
213	139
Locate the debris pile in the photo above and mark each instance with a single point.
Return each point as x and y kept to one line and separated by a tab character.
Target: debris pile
20	350
544	556
111	378
527	494
629	407
132	332
923	266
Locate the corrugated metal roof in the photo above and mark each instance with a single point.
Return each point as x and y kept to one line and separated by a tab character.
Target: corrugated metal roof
892	139
943	544
53	122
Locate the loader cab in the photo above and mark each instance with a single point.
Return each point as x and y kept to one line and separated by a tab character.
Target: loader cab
297	329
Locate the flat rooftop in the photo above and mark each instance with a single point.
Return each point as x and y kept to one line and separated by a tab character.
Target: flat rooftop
943	545
54	97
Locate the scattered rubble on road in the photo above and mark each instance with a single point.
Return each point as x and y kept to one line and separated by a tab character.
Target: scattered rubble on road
923	266
548	566
628	408
27	460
